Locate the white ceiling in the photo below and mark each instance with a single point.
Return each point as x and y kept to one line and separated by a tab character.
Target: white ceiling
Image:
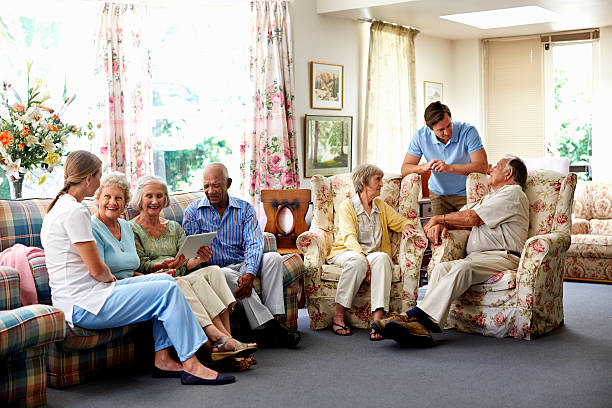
425	15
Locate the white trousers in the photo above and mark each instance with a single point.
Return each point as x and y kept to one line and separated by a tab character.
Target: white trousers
354	268
450	280
272	302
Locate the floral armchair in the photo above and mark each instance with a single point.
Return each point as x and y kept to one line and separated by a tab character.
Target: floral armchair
321	279
526	302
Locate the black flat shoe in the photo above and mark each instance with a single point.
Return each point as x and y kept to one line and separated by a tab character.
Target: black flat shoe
189	379
159	373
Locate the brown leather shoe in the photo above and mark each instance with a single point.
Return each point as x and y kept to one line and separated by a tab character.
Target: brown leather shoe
409	333
379	325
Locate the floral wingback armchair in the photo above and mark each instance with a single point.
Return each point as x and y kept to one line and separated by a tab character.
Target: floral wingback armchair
526	302
321	280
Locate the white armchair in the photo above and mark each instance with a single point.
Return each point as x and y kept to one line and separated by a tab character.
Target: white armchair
321	280
526	302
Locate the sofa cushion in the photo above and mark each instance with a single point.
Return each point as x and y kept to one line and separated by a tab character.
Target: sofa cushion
600	227
590	246
499	282
78	338
29	326
332	273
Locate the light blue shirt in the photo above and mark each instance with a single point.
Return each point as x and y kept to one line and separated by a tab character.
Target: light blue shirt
120	256
464	142
239	238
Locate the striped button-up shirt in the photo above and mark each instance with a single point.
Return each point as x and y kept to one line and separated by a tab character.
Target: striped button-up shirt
239	238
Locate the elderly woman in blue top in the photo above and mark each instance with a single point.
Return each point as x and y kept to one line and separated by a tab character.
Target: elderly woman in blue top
452	150
90	296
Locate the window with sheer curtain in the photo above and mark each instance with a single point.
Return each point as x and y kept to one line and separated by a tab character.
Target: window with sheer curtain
60	47
200	79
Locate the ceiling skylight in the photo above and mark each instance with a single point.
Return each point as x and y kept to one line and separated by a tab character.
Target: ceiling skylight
504	17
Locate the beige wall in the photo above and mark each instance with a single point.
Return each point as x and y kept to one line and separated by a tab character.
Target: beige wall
323	39
602	137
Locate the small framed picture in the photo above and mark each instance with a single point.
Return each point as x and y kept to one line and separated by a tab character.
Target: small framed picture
328	144
326	86
432	92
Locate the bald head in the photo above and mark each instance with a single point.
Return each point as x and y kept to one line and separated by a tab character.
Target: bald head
215	183
215	168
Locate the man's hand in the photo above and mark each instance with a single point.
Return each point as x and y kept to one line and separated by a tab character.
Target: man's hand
435	232
408	231
204	254
245	286
440	166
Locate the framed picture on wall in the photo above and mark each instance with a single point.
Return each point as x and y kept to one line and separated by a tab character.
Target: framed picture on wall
326	85
432	92
328	144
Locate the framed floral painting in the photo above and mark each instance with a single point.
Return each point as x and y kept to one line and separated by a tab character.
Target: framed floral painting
328	148
326	86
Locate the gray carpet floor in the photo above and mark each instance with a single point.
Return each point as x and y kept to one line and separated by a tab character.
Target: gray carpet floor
570	367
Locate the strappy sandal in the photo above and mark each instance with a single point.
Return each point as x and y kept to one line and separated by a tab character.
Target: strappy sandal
347	330
240	350
374	334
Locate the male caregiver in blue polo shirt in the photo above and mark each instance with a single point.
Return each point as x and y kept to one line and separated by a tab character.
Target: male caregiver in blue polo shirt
452	150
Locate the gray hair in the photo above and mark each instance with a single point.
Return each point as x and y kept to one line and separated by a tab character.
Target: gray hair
217	164
114	179
519	169
362	175
136	202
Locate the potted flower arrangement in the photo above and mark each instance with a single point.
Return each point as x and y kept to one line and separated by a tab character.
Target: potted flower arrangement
32	135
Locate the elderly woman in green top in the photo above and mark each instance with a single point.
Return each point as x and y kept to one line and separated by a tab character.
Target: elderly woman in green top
157	243
362	247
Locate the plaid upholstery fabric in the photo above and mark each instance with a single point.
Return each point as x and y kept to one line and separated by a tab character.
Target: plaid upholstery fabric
23	381
41	279
9	288
66	368
29	326
293	269
23	333
78	338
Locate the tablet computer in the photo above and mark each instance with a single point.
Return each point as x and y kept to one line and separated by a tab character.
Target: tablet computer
193	243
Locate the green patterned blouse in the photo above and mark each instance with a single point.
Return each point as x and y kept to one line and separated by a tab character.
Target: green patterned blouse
152	250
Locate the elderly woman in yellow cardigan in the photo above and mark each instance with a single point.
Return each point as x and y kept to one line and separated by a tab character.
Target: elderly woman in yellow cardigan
362	247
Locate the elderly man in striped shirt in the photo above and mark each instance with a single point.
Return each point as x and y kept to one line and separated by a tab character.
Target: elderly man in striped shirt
238	250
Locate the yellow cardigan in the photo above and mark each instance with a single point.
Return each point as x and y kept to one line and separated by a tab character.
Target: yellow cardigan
346	239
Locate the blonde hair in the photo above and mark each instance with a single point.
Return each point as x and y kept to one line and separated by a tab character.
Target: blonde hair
79	165
136	202
115	179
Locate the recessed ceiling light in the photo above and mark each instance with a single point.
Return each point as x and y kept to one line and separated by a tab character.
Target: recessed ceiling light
504	17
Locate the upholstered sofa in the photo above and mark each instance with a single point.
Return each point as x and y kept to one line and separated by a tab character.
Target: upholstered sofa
526	302
24	333
589	257
81	351
321	279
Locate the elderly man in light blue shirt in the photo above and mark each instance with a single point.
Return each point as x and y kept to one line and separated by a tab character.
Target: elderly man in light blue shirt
452	150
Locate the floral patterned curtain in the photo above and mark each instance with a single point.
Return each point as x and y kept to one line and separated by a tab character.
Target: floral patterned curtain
124	62
268	152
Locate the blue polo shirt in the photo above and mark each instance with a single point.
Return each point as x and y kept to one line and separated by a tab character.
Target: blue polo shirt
464	142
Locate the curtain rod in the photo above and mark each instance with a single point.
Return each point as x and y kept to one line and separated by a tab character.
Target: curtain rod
371	20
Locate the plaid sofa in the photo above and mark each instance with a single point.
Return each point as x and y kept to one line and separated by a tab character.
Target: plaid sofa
84	351
24	333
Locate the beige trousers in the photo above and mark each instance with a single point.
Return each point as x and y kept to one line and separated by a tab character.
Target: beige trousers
207	293
354	270
446	204
450	280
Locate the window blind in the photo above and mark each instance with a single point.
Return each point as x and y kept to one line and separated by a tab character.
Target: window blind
514	98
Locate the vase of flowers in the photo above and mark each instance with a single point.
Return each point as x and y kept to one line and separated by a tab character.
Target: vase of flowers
32	135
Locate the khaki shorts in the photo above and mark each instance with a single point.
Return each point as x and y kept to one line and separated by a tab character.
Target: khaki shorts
445	204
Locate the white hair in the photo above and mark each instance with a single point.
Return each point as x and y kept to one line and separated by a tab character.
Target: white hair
142	183
114	179
217	164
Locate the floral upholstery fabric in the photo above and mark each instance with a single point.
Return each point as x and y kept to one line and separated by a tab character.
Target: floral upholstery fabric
321	280
527	302
590	255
